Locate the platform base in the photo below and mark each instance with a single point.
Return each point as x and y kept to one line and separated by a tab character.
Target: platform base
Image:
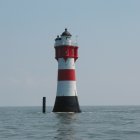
66	104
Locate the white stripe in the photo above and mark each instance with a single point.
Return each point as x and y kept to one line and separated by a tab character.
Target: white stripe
66	64
66	88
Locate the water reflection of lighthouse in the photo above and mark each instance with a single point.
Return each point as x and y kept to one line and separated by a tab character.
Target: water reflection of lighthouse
65	129
66	53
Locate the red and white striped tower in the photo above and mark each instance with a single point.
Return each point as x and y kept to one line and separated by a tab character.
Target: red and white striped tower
66	53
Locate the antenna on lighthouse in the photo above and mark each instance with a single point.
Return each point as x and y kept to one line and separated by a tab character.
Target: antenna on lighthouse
76	39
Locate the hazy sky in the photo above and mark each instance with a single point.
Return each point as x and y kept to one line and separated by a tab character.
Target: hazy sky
108	68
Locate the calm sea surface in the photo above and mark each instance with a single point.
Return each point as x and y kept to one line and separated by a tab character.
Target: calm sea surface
94	123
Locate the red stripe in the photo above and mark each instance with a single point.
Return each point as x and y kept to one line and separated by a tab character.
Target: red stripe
66	74
66	52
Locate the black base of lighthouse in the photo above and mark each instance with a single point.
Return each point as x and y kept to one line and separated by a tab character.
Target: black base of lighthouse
66	104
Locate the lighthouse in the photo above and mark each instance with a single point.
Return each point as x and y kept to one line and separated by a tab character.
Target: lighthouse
66	54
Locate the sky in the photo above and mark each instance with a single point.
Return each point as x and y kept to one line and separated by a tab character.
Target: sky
108	35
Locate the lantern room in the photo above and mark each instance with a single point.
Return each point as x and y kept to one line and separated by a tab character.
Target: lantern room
64	47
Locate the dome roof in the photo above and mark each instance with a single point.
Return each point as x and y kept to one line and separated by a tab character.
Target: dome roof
66	33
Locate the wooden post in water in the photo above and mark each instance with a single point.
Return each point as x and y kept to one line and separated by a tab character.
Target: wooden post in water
44	105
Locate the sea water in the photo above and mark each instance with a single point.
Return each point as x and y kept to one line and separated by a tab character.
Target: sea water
94	123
